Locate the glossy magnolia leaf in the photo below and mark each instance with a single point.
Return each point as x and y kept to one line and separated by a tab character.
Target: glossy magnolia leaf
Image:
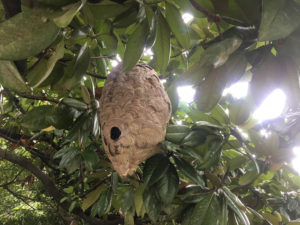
218	53
273	219
107	9
152	204
45	66
194	138
279	19
109	42
103	204
135	46
162	45
247	178
39	117
128	17
239	12
26	34
268	76
214	56
138	201
224	212
176	133
92	197
288	47
67	16
210	90
168	185
178	27
173	95
155	168
10	77
90	158
205	212
239	111
236	205
100	61
213	152
264	145
74	103
70	158
76	70
236	162
187	170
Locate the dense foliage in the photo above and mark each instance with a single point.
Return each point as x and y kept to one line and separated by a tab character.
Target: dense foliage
216	167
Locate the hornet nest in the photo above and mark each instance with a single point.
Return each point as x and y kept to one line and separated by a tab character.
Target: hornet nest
134	112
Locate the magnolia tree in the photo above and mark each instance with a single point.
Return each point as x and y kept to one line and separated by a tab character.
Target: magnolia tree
218	163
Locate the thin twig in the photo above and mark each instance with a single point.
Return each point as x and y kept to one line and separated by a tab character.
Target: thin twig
96	75
215	17
41	98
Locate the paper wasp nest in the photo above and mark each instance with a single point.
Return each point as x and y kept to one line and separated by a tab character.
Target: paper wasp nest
134	112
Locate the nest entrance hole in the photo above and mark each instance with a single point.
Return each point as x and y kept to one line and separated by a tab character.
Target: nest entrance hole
115	133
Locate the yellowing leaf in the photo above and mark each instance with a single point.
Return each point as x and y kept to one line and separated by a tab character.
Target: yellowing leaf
51	128
92	197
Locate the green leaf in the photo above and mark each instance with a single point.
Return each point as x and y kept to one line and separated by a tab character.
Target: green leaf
279	19
155	168
138	201
103	204
39	117
74	103
205	212
236	205
92	197
90	157
45	66
168	185
214	56
248	177
188	171
162	45
10	77
107	9
135	46
224	212
26	34
66	18
178	27
152	204
210	91
194	138
176	133
236	162
70	158
127	204
288	47
74	72
239	111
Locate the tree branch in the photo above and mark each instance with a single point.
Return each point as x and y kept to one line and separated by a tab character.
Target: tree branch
51	188
96	75
41	98
14	99
215	17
